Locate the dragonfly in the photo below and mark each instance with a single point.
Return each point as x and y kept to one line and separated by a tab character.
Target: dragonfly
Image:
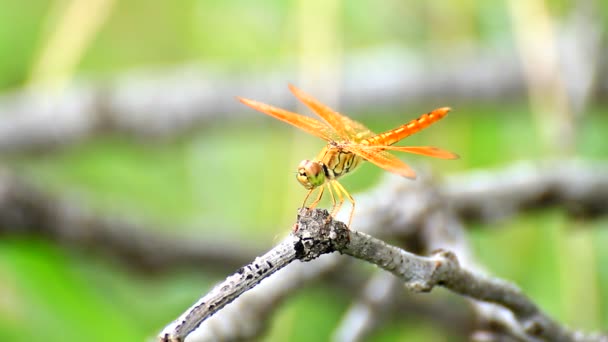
349	144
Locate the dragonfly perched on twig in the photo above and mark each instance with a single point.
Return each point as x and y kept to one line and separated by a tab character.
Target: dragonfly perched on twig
349	144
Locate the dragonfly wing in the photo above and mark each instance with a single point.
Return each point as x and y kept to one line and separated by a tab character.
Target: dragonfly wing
346	128
382	159
423	150
394	135
304	123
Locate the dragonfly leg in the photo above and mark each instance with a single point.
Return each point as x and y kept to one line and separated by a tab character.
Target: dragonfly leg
316	201
338	189
333	198
350	199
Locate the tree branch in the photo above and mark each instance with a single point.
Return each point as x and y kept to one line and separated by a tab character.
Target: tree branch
422	274
317	233
312	238
410	211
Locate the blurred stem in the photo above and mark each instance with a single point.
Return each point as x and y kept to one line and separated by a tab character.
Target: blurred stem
580	293
451	27
319	45
319	67
536	39
72	26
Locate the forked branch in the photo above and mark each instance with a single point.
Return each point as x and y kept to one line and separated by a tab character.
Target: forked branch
317	233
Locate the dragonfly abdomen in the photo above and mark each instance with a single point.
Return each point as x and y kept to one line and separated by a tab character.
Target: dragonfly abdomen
414	126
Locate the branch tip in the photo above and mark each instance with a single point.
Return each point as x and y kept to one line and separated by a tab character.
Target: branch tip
318	233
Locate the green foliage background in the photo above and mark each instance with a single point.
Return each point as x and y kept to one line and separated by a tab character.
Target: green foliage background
197	182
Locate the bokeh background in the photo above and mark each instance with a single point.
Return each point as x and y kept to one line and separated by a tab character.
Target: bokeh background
526	79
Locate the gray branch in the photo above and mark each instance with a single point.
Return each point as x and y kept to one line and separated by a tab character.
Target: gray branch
244	279
316	233
249	315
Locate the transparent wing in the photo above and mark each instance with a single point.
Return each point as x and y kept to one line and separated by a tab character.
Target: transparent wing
345	127
304	123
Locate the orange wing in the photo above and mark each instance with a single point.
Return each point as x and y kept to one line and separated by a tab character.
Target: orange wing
382	159
423	150
394	135
378	156
345	127
304	123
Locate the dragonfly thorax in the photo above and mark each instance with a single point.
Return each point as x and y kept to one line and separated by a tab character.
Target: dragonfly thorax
311	174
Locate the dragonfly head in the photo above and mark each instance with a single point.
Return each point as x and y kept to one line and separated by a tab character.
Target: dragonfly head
310	174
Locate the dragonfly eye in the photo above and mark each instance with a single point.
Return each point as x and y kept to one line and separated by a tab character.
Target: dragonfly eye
310	174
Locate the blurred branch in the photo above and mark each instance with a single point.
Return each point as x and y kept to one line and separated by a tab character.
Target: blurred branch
370	309
317	233
579	187
164	104
383	298
27	211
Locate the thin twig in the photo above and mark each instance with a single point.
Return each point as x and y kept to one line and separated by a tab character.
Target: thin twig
250	315
311	239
